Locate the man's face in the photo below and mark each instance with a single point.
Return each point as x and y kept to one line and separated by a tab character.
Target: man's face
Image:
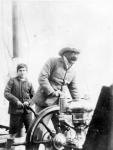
71	57
22	72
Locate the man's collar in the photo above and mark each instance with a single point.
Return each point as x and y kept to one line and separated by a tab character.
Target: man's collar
66	62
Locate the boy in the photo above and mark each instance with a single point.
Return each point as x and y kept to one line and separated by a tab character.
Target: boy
19	92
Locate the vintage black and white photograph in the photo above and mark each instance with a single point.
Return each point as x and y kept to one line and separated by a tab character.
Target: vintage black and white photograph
56	79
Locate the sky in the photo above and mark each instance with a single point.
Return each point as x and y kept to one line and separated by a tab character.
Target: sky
87	25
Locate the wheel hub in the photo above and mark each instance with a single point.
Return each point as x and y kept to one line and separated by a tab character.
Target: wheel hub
59	141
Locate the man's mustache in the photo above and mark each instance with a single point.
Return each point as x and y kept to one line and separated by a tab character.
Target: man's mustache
73	58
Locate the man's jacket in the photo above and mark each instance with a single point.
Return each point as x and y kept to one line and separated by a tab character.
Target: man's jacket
53	76
17	90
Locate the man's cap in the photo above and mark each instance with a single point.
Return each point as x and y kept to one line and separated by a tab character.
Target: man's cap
68	49
22	65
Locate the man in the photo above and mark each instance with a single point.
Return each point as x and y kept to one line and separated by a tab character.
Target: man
19	92
57	76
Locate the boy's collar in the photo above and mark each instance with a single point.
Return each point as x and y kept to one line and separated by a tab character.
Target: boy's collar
19	78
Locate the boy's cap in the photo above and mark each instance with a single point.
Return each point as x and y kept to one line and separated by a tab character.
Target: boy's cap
21	66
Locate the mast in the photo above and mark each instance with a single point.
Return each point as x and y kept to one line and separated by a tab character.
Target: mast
15	29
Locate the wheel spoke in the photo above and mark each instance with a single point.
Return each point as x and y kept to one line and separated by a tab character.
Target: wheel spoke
48	129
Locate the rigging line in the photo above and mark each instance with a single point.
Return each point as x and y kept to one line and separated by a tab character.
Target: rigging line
3	40
6	46
7	62
5	55
2	30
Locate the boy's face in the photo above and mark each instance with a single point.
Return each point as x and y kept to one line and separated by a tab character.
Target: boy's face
22	72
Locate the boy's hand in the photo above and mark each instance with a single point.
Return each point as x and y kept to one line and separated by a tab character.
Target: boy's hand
19	104
26	103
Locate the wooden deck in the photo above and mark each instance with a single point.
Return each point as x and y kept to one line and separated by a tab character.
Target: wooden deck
6	141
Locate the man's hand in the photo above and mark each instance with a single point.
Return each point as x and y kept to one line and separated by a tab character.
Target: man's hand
26	103
19	104
56	93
